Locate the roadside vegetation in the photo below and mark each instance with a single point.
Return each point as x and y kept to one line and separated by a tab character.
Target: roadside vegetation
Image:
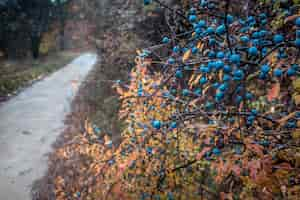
15	75
210	111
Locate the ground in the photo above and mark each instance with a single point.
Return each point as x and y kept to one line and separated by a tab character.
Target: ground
31	122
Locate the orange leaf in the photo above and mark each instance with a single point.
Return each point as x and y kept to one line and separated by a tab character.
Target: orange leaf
291	18
274	92
254	167
201	154
186	55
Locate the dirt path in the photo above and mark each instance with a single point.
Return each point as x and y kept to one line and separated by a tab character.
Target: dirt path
30	123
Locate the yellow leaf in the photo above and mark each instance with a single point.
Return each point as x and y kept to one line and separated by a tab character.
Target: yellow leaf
186	55
296	134
200	45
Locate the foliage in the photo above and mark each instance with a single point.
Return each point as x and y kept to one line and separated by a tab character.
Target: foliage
16	75
218	118
23	24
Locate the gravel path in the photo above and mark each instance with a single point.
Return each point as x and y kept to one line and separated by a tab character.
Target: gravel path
31	122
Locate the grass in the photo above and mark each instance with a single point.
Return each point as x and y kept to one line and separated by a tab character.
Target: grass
15	75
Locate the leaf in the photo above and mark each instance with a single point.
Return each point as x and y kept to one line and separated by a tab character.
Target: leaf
226	196
297	99
202	153
200	45
286	118
296	85
291	18
256	148
296	134
237	170
254	167
186	55
274	92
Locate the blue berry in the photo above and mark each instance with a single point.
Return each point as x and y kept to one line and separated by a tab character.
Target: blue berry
239	89
295	66
262	76
297	42
216	85
210	5
278	38
194	50
220	55
179	74
219	96
226	77
277	72
253	51
204	69
149	150
211	65
211	42
147	2
263	33
255	34
250	19
265	68
255	42
245	39
223	87
192	18
291	124
203	80
193	10
264	22
185	92
262	16
264	51
254	112
198	31
176	49
298	33
171	61
238	99
230	19
201	23
249	96
165	40
221	29
111	162
216	151
297	22
235	58
211	54
250	120
219	64
209	105
156	124
210	30
198	92
186	67
238	75
227	68
290	72
251	117
297	115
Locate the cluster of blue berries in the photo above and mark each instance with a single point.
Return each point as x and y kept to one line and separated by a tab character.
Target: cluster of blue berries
232	50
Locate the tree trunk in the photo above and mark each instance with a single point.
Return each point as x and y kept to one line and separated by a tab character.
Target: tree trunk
61	15
35	46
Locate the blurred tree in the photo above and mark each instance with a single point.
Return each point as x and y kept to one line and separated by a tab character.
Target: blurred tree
23	22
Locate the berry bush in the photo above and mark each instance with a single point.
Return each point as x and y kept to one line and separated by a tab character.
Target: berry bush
218	118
